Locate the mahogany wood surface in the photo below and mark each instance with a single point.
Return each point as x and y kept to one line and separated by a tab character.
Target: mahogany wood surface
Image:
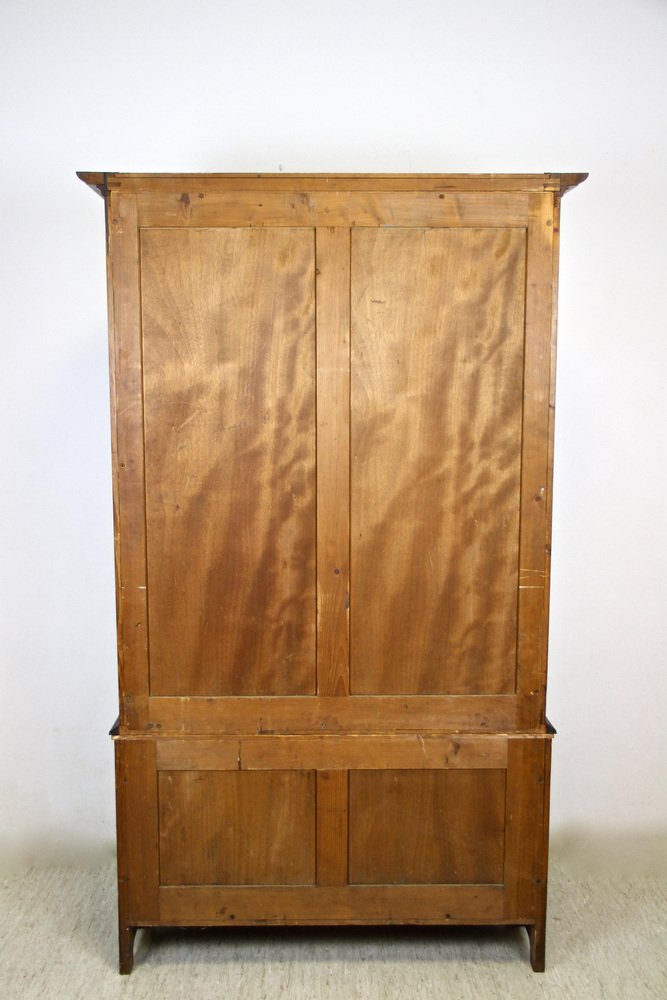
435	826
229	426
128	450
333	460
332	402
436	459
332	826
536	451
137	839
237	828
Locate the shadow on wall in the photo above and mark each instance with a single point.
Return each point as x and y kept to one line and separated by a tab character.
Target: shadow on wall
53	851
585	851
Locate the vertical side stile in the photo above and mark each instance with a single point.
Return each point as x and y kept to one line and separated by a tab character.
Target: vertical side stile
128	436
550	442
137	831
535	478
333	464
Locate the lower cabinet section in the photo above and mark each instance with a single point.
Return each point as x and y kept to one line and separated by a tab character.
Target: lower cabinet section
332	829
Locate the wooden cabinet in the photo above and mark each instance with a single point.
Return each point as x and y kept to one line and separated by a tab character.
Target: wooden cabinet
332	407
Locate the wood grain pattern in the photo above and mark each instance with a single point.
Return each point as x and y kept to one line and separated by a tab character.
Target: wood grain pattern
333	443
538	713
526	843
535	505
416	826
105	182
307	207
229	385
437	368
128	450
537	931
332	827
184	906
332	752
333	460
237	828
137	829
372	714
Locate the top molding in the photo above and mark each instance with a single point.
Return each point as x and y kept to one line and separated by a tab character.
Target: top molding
558	183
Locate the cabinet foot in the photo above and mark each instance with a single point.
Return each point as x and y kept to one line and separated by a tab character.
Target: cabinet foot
537	938
126	949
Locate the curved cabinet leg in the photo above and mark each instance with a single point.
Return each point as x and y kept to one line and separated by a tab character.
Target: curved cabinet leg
537	938
126	949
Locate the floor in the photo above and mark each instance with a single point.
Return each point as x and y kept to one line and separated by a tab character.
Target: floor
607	938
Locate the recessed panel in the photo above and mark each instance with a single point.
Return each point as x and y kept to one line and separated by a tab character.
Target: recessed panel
427	826
437	383
229	401
237	828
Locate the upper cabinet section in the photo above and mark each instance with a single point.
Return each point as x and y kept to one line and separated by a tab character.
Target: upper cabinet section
333	425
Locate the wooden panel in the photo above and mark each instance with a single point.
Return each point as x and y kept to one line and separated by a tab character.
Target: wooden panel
136	817
427	826
330	182
350	904
538	715
228	827
192	754
128	451
306	207
373	714
332	821
229	361
332	752
527	827
437	369
333	460
535	479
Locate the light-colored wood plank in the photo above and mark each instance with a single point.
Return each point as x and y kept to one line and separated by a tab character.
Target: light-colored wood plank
373	714
435	826
128	437
237	828
535	478
103	182
437	359
332	752
196	754
332	820
333	459
306	207
229	390
386	904
137	832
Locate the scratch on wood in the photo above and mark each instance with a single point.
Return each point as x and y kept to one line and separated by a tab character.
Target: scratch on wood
187	420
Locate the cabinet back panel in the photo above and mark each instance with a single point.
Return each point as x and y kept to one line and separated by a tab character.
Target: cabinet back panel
237	828
437	379
228	327
417	826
